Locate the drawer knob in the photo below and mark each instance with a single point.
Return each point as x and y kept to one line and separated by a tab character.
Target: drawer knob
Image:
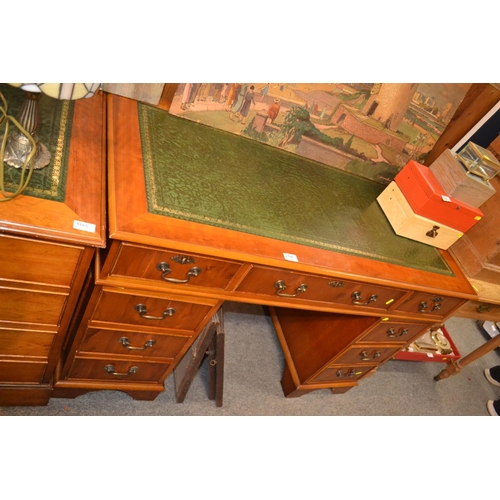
143	312
111	370
356	299
164	268
351	373
281	286
125	342
392	334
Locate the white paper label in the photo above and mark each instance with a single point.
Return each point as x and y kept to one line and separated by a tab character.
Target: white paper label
290	256
84	226
430	355
445	198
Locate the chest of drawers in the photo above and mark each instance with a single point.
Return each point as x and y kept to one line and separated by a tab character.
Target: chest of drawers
325	351
44	259
131	340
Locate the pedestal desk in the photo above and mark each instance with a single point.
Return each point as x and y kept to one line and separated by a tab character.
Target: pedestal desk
198	216
48	237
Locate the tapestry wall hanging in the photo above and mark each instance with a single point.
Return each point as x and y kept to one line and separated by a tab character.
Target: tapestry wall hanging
369	129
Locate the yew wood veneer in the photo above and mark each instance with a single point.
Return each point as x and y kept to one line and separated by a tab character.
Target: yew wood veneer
155	263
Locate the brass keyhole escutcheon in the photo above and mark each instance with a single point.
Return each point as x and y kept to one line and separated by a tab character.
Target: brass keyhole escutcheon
432	233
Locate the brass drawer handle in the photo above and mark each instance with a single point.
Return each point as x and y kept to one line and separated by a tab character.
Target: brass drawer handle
356	296
391	333
143	312
352	373
125	342
481	308
111	370
164	268
365	356
432	233
280	285
423	306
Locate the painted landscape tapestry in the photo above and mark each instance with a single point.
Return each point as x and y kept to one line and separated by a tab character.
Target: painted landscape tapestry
369	129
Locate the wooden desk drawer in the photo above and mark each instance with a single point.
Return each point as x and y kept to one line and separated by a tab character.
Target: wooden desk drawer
41	262
25	343
140	310
369	354
22	371
172	267
117	371
479	310
340	373
132	343
290	285
29	307
425	303
391	332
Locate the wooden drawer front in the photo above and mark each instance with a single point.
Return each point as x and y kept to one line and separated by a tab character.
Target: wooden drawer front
342	389
160	313
340	373
26	306
37	261
262	281
133	343
369	354
116	370
479	310
21	372
424	303
25	343
394	332
173	267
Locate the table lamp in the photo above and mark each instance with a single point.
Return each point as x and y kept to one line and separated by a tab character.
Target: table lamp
18	145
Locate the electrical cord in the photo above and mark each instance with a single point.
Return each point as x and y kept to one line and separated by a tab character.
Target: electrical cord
23	183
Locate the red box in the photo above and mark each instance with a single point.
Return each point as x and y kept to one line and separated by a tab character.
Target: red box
433	356
428	199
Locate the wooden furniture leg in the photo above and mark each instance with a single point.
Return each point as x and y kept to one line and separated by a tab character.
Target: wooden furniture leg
187	368
216	364
456	366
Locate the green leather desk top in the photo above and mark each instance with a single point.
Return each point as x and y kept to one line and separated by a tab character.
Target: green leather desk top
201	174
54	132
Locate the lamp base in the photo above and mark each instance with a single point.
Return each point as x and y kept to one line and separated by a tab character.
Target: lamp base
18	148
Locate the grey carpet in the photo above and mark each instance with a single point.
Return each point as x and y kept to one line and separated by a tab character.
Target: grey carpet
253	369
